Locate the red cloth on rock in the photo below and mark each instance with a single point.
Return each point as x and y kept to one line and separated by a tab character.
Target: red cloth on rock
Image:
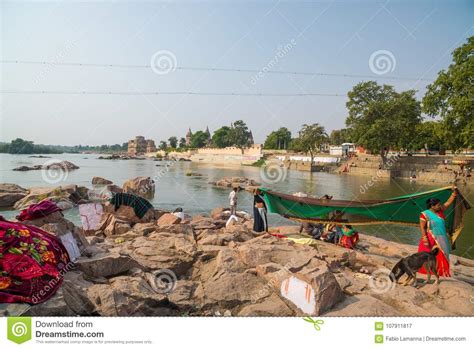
39	210
32	263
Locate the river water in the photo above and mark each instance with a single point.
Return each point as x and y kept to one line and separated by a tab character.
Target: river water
193	193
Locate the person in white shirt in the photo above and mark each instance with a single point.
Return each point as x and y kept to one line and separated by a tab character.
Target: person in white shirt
233	201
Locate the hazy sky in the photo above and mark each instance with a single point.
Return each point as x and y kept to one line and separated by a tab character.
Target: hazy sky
319	36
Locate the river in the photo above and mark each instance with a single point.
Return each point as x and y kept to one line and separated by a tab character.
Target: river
193	193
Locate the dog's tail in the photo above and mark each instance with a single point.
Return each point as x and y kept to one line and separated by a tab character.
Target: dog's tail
395	268
434	251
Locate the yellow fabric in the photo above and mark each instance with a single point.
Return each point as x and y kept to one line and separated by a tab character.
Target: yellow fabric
302	239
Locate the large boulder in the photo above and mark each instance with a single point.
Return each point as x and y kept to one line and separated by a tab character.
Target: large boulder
28	168
142	186
61	165
126	214
100	181
310	293
56	224
173	248
229	290
271	306
167	219
111	225
64	196
129	296
50	165
11	193
266	249
363	305
106	265
232	182
75	295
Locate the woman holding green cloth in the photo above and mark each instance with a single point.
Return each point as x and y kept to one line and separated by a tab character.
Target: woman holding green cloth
433	233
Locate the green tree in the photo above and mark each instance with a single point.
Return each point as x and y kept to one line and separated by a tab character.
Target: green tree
381	118
163	145
451	97
240	134
173	141
279	139
198	139
429	136
221	137
182	143
337	137
310	138
20	146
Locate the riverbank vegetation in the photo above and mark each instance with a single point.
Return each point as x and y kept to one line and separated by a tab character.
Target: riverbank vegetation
21	146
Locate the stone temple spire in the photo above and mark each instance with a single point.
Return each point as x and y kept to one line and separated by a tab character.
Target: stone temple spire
208	134
188	136
250	139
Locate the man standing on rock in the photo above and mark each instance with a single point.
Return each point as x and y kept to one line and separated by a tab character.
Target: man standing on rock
233	201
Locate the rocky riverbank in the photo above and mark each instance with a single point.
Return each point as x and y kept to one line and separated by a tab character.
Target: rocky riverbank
162	265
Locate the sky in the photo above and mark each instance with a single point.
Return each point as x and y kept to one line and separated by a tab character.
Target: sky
375	40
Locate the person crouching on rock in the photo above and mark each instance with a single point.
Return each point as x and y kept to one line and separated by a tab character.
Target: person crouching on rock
260	222
349	237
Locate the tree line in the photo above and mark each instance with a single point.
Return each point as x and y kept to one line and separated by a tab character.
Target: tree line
237	134
381	119
21	146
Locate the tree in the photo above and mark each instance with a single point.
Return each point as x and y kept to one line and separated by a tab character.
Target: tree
310	138
173	141
20	146
221	137
240	134
198	139
381	118
451	97
182	142
429	136
279	139
163	145
337	137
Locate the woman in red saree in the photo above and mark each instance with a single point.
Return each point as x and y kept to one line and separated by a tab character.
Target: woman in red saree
433	233
32	263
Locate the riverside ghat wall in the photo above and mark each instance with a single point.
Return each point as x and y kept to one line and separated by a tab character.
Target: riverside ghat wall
229	155
435	169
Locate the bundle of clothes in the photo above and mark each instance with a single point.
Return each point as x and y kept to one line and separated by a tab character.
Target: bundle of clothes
32	264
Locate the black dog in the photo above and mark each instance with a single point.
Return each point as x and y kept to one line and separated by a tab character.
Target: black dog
411	264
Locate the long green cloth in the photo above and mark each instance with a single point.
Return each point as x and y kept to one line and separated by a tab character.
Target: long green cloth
403	210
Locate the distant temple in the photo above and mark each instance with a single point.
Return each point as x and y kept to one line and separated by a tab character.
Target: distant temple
188	137
150	146
251	142
140	145
209	139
